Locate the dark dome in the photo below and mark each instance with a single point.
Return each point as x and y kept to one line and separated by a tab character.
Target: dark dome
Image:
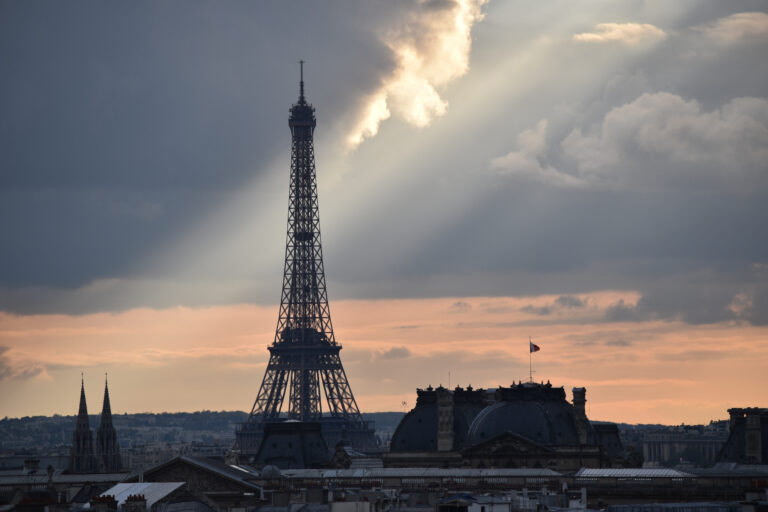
534	411
417	431
270	471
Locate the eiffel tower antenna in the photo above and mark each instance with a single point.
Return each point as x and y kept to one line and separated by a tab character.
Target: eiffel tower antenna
301	82
304	361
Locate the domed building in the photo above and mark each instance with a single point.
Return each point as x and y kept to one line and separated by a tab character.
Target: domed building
418	430
523	425
537	412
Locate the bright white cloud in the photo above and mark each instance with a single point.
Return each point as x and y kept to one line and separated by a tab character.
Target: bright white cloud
528	161
658	139
627	33
429	50
742	26
729	142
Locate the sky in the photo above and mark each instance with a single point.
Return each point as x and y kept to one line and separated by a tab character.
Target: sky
591	175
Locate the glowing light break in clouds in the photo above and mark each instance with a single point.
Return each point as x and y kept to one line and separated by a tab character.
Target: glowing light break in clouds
430	50
738	27
627	33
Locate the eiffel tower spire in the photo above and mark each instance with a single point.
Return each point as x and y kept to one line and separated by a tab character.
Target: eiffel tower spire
304	361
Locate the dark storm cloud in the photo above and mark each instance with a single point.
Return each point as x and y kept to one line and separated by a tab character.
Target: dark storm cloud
120	138
700	298
168	94
67	237
123	125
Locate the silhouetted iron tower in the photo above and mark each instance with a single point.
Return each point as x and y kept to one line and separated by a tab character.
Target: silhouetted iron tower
304	357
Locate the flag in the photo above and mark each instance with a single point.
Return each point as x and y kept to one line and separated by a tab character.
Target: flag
534	348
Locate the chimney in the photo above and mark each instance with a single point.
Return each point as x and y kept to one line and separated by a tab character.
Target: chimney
444	420
105	503
135	503
580	415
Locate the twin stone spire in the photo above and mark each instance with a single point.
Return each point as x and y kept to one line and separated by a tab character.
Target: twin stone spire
106	457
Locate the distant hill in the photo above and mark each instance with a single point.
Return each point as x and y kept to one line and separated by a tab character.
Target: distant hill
145	428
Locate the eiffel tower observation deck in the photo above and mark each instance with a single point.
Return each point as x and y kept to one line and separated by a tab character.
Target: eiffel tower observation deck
304	360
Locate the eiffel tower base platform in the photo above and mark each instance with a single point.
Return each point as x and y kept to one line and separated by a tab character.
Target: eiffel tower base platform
255	441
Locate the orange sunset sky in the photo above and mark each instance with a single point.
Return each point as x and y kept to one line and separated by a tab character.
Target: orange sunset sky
183	359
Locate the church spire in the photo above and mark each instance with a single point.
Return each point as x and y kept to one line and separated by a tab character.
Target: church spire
81	458
106	410
82	413
107	449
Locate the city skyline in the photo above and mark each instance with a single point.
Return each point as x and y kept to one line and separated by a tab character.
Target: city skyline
487	171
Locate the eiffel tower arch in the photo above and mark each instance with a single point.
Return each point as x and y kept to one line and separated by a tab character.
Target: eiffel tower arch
304	361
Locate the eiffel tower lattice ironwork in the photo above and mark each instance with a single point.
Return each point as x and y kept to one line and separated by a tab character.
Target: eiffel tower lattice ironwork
304	357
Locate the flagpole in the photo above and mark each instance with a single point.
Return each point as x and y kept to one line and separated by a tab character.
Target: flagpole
530	367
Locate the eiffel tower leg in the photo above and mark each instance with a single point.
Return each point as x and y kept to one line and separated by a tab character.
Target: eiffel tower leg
271	393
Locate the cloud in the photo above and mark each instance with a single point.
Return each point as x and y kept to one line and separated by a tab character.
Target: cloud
570	301
736	28
697	355
727	144
135	222
10	370
561	303
537	310
430	49
699	298
116	295
656	141
618	343
394	353
612	338
528	162
461	306
627	33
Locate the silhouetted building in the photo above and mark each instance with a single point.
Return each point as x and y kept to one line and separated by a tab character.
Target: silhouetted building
107	449
524	425
440	421
694	444
81	459
304	356
748	439
226	486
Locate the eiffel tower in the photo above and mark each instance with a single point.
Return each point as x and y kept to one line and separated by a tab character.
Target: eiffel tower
304	357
